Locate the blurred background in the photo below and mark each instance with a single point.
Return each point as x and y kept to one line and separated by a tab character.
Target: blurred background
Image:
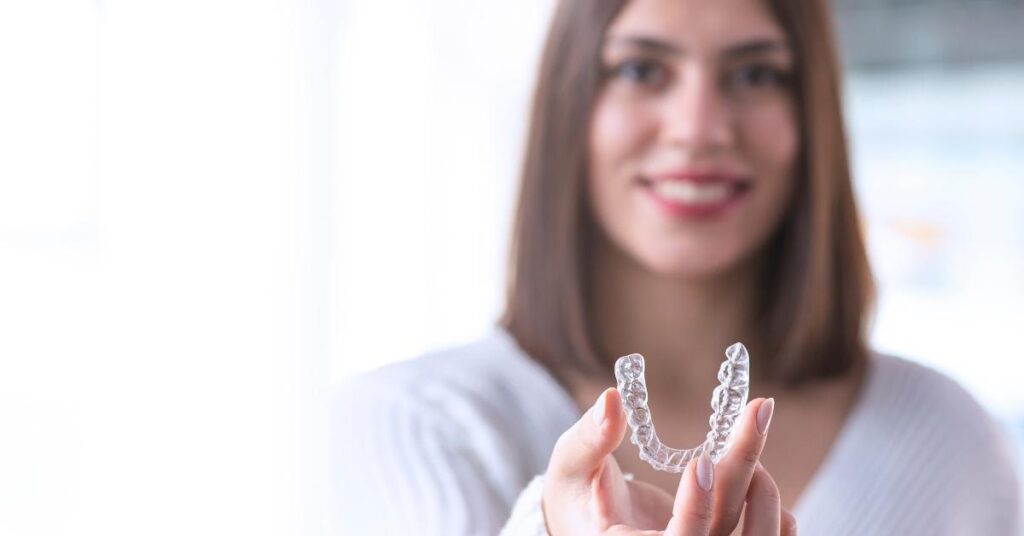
211	211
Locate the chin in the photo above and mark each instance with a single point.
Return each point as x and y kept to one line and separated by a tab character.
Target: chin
696	265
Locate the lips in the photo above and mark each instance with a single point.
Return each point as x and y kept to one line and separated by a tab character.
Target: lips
696	194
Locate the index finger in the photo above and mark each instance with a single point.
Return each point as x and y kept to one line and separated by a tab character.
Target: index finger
581	450
735	470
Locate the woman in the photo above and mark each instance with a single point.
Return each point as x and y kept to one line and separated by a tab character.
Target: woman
685	186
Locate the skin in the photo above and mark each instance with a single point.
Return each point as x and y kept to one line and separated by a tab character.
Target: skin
680	291
585	492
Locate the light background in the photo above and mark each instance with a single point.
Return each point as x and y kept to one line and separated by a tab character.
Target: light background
211	211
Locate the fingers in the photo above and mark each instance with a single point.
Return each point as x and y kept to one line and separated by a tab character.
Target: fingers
575	497
736	469
764	506
691	512
581	450
788	524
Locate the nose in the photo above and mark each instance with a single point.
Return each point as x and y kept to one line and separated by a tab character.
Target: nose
697	116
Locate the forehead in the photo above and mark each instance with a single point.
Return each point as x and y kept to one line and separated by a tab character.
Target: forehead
696	25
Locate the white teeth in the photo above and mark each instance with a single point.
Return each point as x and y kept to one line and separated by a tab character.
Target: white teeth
692	193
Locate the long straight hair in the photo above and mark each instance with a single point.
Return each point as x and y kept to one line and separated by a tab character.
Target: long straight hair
817	290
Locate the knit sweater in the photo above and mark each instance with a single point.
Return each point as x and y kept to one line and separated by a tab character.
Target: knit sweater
446	443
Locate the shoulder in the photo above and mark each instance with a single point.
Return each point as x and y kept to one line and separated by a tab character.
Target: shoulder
918	455
486	402
933	435
908	398
444	442
487	383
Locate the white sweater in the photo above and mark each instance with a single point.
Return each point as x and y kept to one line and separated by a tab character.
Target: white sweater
446	443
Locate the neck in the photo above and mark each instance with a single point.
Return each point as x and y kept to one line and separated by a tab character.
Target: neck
681	326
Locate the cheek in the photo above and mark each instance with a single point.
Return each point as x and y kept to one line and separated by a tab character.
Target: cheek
616	134
772	139
614	148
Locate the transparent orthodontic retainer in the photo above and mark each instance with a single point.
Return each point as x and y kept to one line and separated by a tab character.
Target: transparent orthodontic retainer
727	403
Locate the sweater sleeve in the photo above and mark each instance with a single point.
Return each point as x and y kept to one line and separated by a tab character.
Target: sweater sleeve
403	467
527	515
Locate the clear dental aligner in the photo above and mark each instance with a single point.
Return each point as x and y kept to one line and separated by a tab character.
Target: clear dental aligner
727	402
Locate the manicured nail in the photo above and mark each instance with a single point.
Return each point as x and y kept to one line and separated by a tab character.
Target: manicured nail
705	472
764	415
599	410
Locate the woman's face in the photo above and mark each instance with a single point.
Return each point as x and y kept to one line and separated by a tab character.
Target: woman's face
693	138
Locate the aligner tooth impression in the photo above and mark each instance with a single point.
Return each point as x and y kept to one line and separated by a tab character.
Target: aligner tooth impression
727	403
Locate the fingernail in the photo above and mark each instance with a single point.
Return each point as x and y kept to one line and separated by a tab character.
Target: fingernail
599	410
705	472
764	415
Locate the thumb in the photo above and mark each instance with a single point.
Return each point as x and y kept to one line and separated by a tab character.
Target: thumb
580	451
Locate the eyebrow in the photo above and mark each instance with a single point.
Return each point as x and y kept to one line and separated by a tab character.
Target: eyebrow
664	47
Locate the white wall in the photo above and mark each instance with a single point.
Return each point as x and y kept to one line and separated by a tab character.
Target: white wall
165	341
432	111
939	159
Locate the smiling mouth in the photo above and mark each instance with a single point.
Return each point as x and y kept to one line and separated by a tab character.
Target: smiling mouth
695	198
693	193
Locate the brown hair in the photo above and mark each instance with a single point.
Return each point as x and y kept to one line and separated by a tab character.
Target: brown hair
818	288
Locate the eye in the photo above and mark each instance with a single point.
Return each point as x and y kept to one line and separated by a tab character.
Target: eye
758	76
640	71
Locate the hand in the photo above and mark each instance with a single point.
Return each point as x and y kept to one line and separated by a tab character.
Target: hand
585	492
